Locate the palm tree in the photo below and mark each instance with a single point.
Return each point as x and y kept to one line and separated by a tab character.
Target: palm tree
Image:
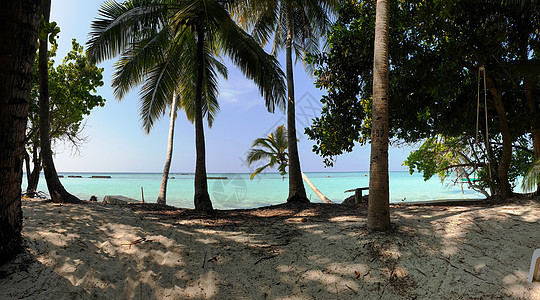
272	148
294	24
162	196
158	60
17	51
195	33
378	206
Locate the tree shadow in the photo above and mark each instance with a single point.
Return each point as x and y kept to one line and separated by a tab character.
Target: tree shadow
314	251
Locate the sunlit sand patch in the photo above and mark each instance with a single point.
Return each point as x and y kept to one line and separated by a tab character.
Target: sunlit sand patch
514	286
334	283
346	219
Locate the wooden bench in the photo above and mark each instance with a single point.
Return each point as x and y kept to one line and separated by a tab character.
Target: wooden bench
357	193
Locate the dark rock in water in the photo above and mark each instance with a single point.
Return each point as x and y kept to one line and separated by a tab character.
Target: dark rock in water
119	200
74	176
101	176
93	198
350	200
219	178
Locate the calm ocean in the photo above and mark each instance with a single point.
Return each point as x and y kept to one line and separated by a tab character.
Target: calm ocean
238	191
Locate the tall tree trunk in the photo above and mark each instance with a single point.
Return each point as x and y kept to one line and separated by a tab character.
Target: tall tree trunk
378	205
506	157
202	199
297	192
162	197
33	175
56	190
19	21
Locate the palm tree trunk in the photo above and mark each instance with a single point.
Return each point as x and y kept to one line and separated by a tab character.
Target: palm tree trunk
20	21
378	205
202	199
297	192
56	190
162	197
316	190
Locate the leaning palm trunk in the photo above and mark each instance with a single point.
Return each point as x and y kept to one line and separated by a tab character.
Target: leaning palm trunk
162	197
297	192
316	190
18	50
202	198
56	190
378	207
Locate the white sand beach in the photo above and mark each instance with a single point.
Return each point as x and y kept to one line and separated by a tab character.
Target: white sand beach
317	252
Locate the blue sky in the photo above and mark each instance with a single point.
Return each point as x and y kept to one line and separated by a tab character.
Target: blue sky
117	143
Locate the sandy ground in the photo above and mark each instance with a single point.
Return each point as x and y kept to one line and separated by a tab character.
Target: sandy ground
315	252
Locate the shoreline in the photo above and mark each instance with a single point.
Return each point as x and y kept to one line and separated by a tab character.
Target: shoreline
317	251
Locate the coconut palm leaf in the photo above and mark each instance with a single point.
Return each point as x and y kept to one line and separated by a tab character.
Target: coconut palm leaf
120	24
531	180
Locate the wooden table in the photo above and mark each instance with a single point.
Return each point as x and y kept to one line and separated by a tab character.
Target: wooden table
358	193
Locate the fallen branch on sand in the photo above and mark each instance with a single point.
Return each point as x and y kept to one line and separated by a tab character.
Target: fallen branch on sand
141	240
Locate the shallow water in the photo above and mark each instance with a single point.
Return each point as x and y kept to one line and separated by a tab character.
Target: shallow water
238	191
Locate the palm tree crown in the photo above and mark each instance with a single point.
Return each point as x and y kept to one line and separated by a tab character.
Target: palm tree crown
185	38
272	148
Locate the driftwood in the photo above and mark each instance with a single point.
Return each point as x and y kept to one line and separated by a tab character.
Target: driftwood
316	191
141	240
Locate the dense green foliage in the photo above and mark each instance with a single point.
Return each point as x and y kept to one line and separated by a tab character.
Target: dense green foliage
436	49
72	91
72	88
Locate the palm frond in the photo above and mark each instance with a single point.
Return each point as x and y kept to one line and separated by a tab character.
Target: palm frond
255	155
120	24
132	67
257	65
531	180
258	171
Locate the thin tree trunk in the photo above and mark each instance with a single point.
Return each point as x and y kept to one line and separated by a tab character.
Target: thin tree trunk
20	22
316	190
504	162
378	205
56	190
27	165
33	175
202	199
297	192
162	197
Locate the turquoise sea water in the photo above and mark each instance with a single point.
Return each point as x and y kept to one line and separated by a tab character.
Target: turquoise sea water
238	191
